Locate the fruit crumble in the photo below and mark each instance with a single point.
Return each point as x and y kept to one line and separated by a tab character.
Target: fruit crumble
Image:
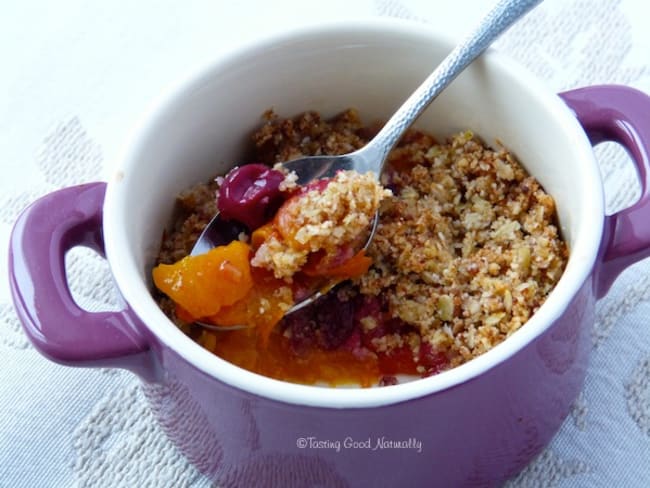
467	248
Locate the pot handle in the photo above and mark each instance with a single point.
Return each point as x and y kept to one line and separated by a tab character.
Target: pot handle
619	114
55	324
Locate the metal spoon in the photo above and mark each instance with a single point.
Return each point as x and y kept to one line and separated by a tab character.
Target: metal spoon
372	157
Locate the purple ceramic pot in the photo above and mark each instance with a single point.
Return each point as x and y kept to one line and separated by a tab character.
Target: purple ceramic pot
475	425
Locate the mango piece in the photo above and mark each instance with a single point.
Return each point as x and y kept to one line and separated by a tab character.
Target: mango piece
261	234
203	284
350	268
286	223
354	267
263	306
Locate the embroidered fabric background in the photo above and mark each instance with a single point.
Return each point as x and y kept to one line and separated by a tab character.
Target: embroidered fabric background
77	74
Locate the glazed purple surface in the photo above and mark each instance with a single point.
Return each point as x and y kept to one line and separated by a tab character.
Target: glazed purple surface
478	433
55	324
619	114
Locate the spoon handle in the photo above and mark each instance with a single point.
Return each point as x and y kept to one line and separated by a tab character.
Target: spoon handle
502	16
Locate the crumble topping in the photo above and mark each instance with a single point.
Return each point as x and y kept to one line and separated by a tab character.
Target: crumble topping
467	247
323	220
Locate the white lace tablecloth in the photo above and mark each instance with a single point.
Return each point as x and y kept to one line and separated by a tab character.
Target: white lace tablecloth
76	74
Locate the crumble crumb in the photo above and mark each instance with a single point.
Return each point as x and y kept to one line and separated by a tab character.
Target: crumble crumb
290	181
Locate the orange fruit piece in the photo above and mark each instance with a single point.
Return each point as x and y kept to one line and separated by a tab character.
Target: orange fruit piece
353	267
286	221
262	233
203	284
263	306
